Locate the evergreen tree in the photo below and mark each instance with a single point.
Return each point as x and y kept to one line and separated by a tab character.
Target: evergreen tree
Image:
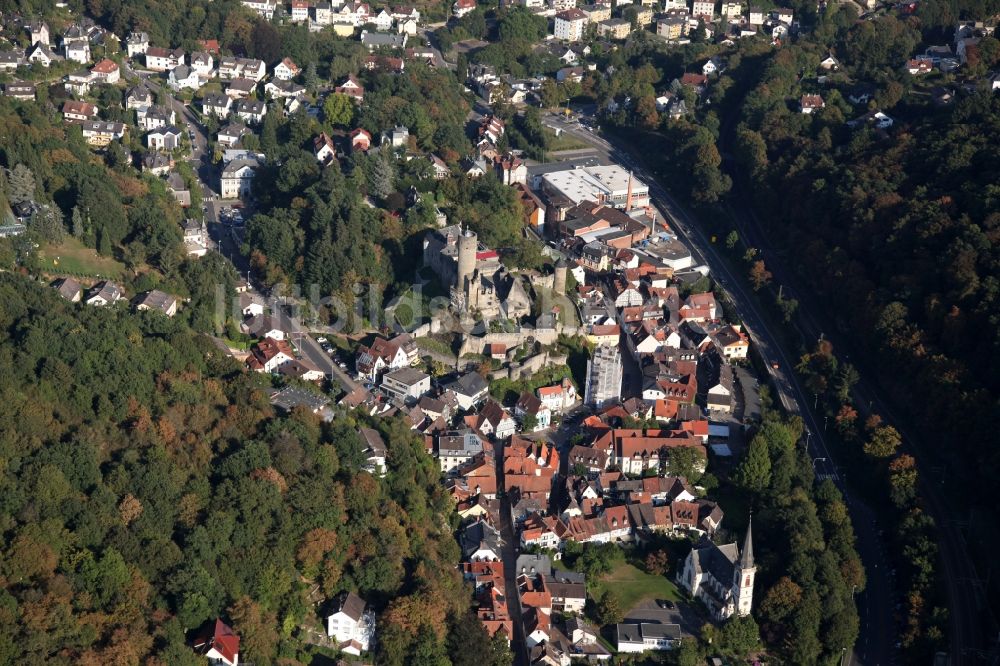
21	184
311	78
77	221
754	473
382	175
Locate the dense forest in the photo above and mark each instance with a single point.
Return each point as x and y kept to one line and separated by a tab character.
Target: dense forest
899	232
148	486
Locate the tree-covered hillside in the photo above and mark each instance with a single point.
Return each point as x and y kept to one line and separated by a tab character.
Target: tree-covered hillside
147	485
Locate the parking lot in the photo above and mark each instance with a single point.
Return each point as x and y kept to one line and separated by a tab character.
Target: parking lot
682	613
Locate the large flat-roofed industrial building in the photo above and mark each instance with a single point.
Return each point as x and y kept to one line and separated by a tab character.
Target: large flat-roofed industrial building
610	185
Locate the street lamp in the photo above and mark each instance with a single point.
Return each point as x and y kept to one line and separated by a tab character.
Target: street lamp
816	460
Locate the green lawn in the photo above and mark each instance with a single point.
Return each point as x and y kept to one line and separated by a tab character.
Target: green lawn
565	141
73	258
633	585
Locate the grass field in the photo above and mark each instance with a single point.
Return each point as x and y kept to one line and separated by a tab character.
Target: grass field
72	257
564	141
633	585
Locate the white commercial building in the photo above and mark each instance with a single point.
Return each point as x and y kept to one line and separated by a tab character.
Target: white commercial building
608	185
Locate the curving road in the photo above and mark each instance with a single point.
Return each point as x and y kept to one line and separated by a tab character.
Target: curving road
874	645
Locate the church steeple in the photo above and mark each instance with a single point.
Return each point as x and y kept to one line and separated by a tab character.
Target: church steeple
746	557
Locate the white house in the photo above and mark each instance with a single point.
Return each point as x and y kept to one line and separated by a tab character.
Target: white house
163	60
559	397
136	44
219	645
77	51
216	104
103	294
647	636
41	54
237	179
183	77
351	625
286	70
383	21
164	138
202	63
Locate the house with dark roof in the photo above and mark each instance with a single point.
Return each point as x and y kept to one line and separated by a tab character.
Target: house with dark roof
68	288
351	624
470	389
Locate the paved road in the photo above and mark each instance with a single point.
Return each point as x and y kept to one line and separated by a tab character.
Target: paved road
517	644
874	643
813	321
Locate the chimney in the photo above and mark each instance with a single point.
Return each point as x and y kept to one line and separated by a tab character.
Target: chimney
628	197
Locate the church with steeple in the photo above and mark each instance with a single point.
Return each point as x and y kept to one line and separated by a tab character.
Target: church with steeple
721	577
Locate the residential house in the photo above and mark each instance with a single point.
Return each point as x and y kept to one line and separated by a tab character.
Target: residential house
77	51
470	389
68	288
441	170
570	25
528	405
731	342
79	82
361	140
163	60
283	89
240	88
183	77
230	135
480	542
231	67
406	384
202	63
672	27
19	90
39	31
756	16
352	88
138	97
10	60
703	9
379	40
164	138
250	111
811	103
397	137
268	355
157	301
157	164
830	64
216	104
647	636
219	644
374	451
455	449
383	21
103	294
351	625
179	189
264	8
494	420
77	112
463	7
324	149
101	132
558	397
106	71
286	70
137	43
300	11
42	54
597	12
195	237
264	326
237	179
397	353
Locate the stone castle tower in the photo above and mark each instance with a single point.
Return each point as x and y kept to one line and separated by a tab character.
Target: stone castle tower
559	281
468	243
